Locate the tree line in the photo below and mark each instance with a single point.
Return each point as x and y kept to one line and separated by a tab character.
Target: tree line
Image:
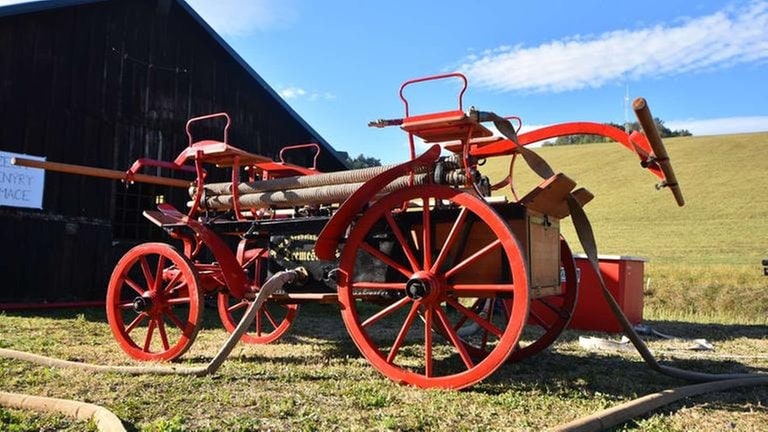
664	131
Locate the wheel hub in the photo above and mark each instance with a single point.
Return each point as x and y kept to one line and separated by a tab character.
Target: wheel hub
417	289
423	286
142	304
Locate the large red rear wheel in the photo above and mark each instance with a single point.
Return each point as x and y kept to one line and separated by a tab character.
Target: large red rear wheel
548	316
272	320
153	302
433	263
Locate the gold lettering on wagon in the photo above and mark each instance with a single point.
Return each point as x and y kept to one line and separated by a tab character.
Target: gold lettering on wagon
294	248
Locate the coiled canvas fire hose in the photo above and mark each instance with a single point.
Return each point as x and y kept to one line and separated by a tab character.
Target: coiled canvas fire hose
625	412
107	421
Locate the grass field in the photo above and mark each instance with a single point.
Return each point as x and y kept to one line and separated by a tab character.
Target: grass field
315	379
705	258
705	282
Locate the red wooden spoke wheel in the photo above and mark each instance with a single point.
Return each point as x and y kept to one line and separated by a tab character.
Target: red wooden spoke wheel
153	302
550	315
272	319
434	262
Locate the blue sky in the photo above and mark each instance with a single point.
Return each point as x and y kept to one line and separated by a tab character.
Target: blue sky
702	65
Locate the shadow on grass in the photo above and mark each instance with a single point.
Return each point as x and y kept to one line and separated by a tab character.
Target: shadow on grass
558	373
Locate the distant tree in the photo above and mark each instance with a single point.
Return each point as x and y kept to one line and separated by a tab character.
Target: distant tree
362	161
664	131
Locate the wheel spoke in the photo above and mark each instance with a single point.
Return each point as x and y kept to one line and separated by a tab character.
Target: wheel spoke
452	236
136	322
159	272
147	272
402	333
475	290
559	311
136	287
484	323
427	233
472	258
163	335
464	318
150	331
169	288
258	324
270	318
179	300
428	369
403	242
539	320
176	321
386	259
239	305
385	312
460	347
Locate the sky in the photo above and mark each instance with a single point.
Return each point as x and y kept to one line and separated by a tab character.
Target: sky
702	65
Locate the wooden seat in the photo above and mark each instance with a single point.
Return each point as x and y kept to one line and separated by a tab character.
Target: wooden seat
549	197
220	154
444	126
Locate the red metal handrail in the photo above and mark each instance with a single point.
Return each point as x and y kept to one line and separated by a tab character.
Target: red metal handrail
432	78
209	116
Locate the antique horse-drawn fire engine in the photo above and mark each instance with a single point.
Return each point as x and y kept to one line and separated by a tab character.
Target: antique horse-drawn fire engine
436	279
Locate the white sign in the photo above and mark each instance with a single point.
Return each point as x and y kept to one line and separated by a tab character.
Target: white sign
21	186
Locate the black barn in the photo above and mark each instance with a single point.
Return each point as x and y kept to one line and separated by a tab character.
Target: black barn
102	83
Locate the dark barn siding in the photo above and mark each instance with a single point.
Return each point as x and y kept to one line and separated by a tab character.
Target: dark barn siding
102	84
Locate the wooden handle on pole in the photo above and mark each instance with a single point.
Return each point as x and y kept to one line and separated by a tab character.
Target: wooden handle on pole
645	119
99	172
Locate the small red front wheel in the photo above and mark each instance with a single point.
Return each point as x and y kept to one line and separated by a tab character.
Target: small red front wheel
272	319
271	322
153	302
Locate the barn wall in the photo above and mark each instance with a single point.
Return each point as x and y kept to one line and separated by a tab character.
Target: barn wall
103	84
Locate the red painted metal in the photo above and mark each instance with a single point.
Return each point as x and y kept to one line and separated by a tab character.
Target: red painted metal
328	240
154	302
623	277
460	109
206	117
301	146
636	142
272	320
233	274
434	78
439	304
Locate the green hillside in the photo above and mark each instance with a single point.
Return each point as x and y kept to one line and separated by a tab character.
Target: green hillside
710	250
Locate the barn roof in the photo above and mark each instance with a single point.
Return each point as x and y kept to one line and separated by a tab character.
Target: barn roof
38	6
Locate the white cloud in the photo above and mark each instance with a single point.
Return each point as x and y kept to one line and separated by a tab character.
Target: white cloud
292	92
243	17
723	39
299	93
718	126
